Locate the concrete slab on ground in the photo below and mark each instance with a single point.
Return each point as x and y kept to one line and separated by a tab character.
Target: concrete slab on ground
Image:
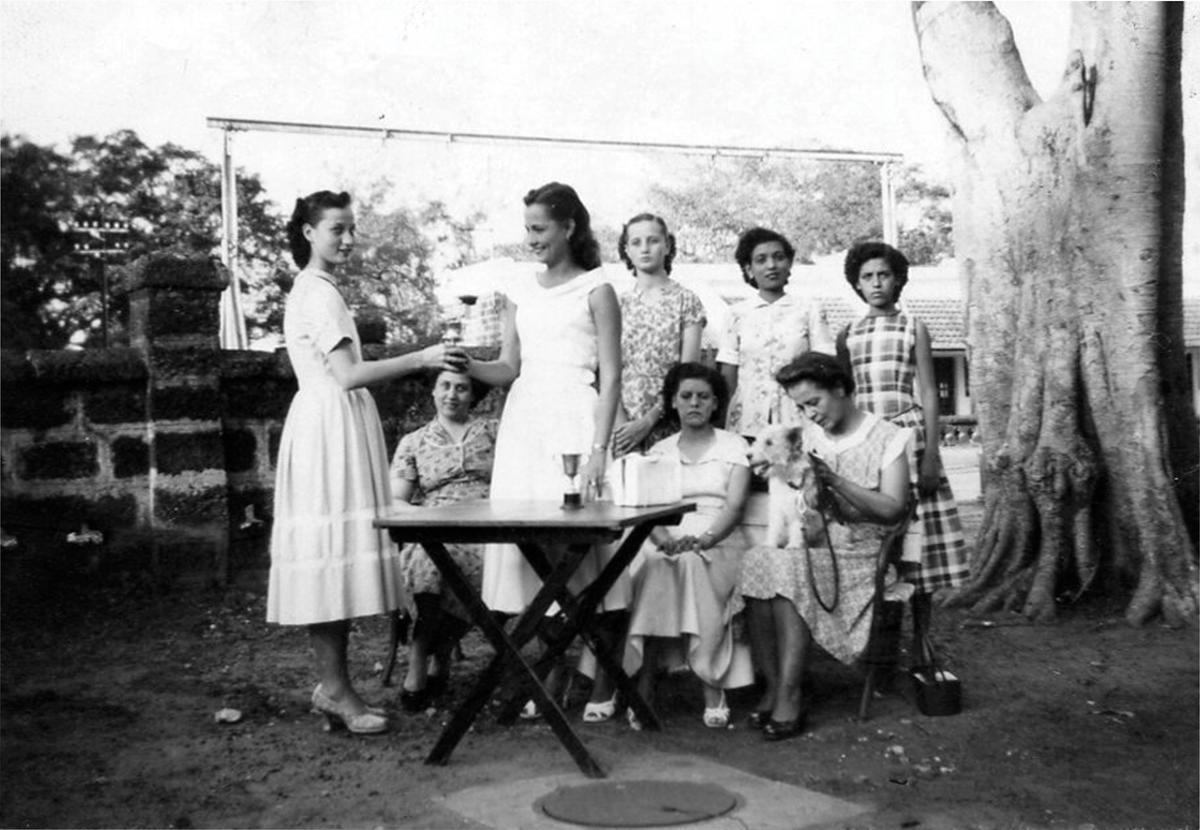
763	804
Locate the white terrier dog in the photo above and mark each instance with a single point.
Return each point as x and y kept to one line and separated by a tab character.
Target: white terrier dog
792	491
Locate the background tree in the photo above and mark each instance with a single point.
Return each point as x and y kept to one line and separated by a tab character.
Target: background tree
170	196
819	207
822	207
391	276
37	277
926	223
1068	217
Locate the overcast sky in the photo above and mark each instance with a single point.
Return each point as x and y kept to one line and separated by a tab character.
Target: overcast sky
804	74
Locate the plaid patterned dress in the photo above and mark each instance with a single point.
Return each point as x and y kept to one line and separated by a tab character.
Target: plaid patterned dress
882	355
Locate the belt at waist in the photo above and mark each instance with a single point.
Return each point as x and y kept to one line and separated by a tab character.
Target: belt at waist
555	374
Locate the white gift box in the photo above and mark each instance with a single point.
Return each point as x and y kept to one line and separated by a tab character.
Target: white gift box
639	480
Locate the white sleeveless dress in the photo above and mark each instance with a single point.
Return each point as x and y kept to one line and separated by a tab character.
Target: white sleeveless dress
550	410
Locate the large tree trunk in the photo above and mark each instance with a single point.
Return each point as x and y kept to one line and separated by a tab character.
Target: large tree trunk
1067	228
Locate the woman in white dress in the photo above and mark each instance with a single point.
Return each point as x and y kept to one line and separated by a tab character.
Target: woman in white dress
328	563
561	351
685	578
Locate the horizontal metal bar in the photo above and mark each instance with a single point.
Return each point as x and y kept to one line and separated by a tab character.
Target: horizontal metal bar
245	124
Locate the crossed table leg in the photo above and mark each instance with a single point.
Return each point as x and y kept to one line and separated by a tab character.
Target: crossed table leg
576	619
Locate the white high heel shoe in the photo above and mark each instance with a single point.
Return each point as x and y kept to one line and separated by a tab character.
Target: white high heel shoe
339	714
601	711
717	717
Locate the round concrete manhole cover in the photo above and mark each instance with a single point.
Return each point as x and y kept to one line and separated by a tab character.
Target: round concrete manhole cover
637	803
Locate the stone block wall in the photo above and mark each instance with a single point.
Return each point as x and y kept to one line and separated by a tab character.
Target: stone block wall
167	447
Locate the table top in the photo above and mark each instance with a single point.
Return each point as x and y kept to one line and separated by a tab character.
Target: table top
502	520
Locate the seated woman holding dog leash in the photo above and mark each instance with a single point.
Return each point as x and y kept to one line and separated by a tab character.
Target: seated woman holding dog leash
824	591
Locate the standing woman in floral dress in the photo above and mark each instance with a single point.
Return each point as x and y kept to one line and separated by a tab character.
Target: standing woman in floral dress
661	325
765	333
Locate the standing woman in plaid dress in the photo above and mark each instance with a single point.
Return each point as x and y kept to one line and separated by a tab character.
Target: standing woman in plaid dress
887	350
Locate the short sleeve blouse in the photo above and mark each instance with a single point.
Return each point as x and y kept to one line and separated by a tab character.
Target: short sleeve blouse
445	470
317	320
762	338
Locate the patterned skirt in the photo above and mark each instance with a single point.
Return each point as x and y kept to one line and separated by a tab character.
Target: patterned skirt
937	529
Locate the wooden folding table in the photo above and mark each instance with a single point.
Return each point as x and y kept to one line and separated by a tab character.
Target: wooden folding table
554	541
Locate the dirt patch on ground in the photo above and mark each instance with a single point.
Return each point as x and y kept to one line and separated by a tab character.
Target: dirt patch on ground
108	696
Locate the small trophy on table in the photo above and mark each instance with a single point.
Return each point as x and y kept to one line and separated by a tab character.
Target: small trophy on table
572	498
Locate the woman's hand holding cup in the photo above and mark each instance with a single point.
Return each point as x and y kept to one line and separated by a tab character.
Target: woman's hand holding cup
445	358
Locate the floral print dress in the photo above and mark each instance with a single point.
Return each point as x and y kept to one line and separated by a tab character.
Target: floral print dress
762	338
652	327
443	470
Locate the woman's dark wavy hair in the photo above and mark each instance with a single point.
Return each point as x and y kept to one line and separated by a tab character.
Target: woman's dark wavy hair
862	252
308	211
750	240
563	204
479	389
694	371
825	370
623	242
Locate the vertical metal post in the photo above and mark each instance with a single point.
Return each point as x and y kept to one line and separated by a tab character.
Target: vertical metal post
887	196
100	274
233	323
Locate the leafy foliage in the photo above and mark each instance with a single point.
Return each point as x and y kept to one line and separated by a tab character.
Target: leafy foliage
926	223
37	278
821	207
391	274
169	195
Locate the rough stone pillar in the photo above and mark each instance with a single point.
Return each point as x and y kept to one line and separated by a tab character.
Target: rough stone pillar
173	320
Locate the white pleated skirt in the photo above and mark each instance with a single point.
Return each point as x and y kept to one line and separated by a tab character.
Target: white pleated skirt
328	562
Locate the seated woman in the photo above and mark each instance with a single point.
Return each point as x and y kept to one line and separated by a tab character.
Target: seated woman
447	460
685	578
861	463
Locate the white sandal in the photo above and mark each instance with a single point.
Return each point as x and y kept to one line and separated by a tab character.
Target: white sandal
717	717
600	712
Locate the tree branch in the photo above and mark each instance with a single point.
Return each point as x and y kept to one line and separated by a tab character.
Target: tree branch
972	66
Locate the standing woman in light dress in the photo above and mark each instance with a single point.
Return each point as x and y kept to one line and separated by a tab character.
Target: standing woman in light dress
661	324
329	564
561	351
765	332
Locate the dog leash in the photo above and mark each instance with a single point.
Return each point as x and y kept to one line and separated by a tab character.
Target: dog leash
837	571
833	561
